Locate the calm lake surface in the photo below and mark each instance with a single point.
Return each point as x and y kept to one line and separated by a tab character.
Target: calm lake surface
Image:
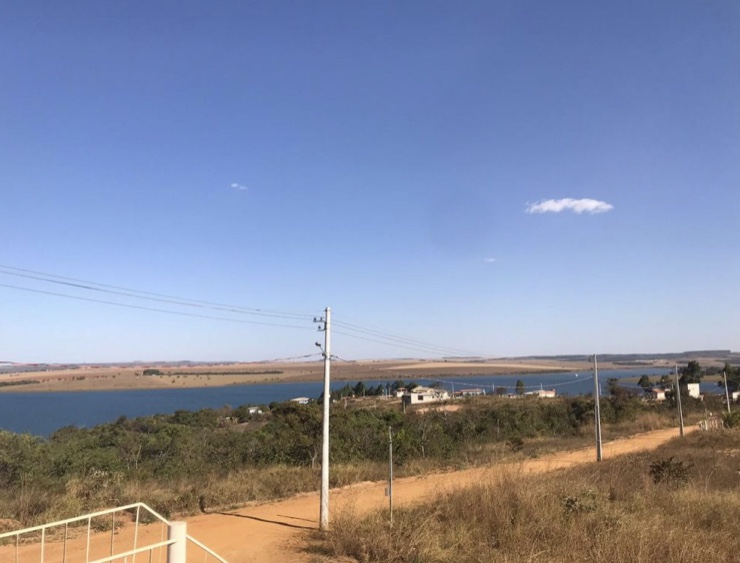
43	413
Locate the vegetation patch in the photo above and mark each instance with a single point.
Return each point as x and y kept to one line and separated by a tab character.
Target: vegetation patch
214	458
14	382
610	512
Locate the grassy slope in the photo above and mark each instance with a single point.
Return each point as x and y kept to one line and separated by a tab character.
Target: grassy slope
608	512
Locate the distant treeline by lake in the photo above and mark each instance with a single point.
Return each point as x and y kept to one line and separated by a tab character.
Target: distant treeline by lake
153	371
16	382
43	413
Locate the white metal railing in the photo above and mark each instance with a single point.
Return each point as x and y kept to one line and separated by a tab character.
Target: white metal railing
208	552
711	423
55	542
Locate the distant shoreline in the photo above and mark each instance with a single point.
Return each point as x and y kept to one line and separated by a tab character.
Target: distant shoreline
126	378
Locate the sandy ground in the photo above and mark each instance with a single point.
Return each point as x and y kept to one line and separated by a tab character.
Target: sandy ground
90	378
280	531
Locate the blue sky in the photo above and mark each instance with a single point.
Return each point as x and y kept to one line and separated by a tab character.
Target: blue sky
382	158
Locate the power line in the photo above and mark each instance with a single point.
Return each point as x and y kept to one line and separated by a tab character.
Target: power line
391	343
145	295
400	341
288	359
396	338
571	382
269	361
142	308
335	357
377	335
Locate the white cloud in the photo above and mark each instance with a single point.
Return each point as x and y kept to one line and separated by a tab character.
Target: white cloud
489	260
238	187
568	204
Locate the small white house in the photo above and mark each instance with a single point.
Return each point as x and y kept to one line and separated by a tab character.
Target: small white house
693	389
300	400
424	395
255	410
542	393
735	395
657	394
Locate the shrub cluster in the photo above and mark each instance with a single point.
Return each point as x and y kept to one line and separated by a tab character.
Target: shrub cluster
616	511
188	451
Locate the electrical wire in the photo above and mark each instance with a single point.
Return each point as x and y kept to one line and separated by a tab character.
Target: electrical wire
396	338
376	335
387	343
371	334
549	385
270	361
142	308
146	295
333	357
288	359
477	385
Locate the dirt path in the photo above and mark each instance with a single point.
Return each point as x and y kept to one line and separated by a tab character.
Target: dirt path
277	532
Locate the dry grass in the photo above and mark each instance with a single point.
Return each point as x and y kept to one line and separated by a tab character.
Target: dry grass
129	377
610	512
34	503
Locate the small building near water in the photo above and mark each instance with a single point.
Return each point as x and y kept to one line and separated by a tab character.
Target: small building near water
693	389
542	393
424	395
300	400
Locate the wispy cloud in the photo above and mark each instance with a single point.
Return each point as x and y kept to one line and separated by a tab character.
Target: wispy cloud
489	260
238	187
579	206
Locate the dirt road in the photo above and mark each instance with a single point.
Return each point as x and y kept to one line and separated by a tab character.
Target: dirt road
278	531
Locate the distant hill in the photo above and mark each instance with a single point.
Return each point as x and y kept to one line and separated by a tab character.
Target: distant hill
633	358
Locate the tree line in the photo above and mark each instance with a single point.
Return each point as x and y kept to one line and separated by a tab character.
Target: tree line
197	446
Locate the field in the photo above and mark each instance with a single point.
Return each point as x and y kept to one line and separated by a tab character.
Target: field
87	378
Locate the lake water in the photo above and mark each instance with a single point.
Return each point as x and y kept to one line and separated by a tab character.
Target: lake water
43	413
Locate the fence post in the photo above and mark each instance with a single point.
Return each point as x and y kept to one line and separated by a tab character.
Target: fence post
176	552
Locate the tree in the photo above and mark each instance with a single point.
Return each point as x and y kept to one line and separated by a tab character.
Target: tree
645	382
519	387
396	385
359	389
733	378
692	373
611	384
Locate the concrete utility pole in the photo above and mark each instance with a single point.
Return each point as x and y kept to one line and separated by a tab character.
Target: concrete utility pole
678	398
597	412
324	510
727	393
390	473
